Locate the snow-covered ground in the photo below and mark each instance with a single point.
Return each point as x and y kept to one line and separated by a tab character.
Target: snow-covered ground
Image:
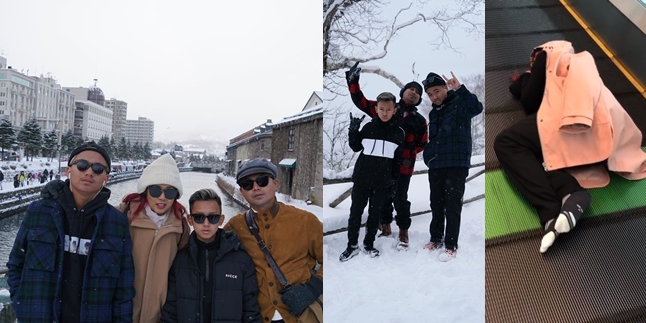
406	286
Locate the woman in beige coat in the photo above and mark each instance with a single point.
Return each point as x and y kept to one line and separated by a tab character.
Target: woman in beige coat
158	229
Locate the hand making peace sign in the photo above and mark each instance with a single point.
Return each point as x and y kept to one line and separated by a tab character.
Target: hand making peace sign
452	83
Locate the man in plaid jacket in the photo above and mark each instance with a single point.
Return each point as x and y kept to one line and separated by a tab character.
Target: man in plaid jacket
52	276
448	157
415	139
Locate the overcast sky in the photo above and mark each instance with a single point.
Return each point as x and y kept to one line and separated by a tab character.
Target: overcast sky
199	69
412	45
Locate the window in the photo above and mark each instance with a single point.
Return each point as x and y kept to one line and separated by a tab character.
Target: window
262	145
290	140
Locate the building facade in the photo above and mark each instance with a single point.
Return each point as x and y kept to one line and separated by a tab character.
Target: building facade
24	97
141	130
119	117
296	150
255	143
92	120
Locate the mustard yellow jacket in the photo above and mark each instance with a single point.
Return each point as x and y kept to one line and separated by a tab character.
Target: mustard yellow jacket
295	239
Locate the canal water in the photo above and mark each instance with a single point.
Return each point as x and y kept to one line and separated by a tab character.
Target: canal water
191	181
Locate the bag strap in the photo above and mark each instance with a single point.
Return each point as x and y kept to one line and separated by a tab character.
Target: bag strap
251	224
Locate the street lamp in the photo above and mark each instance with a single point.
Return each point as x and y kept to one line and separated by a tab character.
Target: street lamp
60	148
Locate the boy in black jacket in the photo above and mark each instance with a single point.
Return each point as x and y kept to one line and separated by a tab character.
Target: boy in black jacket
375	172
213	279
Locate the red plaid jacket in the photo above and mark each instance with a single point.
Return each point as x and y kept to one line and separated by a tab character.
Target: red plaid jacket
414	125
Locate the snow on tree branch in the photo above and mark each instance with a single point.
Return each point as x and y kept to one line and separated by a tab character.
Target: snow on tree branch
356	31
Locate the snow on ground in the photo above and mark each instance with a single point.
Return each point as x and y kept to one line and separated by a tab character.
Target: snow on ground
406	286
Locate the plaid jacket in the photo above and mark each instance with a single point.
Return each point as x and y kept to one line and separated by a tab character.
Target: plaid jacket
407	117
449	130
36	262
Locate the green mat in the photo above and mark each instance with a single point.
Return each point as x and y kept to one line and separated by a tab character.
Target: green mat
507	212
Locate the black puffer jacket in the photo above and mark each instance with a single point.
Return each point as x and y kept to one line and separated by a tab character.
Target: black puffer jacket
233	276
381	147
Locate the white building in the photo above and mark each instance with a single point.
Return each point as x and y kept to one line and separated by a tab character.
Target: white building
141	130
119	116
24	97
92	120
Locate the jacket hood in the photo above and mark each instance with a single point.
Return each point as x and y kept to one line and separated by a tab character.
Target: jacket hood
69	205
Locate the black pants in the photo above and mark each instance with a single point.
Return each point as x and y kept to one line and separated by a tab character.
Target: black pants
402	205
361	195
447	190
518	149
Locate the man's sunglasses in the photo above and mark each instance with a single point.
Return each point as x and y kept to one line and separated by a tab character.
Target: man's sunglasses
427	82
156	191
213	218
83	165
247	184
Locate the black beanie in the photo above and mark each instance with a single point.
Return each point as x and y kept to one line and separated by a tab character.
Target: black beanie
433	79
415	85
91	146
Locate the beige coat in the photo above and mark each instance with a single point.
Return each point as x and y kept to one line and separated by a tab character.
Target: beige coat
295	238
580	122
153	252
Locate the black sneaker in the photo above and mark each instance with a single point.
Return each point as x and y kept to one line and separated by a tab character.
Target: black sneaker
349	252
371	251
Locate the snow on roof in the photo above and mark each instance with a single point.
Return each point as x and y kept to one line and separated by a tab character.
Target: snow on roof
317	109
287	161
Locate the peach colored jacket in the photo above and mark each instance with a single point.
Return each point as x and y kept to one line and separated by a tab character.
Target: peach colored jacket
580	123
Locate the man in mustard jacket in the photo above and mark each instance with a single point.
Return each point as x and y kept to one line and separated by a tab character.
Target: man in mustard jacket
294	238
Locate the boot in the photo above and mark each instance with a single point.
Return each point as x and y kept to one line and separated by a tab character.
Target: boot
402	241
385	230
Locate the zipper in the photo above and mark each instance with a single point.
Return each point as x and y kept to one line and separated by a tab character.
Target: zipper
207	265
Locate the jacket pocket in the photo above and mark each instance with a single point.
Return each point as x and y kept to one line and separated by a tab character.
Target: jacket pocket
227	305
41	249
105	255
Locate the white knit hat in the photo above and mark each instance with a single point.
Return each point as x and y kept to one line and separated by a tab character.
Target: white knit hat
162	171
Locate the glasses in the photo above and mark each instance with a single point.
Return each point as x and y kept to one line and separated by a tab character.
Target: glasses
199	218
247	184
83	165
169	193
427	82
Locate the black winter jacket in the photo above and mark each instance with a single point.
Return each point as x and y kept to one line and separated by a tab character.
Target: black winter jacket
233	275
381	146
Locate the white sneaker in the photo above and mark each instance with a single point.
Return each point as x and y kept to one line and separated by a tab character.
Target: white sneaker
432	246
447	255
349	253
371	251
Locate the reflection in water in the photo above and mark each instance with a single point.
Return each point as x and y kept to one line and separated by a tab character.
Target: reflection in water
190	180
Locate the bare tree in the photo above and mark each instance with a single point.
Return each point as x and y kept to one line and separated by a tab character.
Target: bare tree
357	30
476	85
337	155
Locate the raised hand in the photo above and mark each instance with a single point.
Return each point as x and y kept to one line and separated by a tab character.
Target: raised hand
355	123
453	82
352	75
